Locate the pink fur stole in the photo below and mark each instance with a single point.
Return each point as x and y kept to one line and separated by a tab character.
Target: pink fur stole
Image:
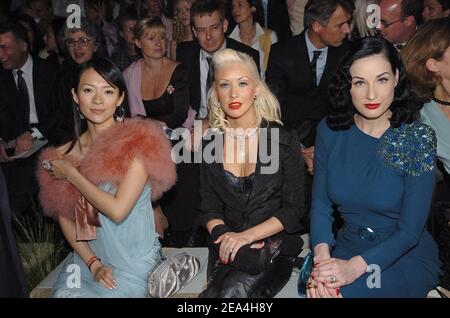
108	160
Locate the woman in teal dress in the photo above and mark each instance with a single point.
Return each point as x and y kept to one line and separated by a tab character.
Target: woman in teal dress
375	163
100	186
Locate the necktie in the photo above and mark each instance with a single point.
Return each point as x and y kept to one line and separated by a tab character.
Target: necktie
24	99
209	77
313	66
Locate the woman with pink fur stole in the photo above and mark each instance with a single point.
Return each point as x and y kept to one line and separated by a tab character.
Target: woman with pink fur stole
99	187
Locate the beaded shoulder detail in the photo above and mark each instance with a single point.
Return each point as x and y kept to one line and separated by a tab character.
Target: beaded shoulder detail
409	149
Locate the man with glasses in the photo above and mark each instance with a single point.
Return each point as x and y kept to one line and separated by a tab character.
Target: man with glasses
398	20
25	112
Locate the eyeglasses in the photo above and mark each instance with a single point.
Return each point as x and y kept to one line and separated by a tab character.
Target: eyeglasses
387	25
80	41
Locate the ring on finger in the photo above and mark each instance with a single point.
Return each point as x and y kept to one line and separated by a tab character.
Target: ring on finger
47	165
333	279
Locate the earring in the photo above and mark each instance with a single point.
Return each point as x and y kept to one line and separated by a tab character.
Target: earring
80	113
119	115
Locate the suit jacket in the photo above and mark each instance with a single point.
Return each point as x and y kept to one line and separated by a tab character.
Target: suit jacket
278	194
188	54
13	121
289	75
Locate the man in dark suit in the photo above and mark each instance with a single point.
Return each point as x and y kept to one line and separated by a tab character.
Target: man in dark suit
209	26
25	114
299	70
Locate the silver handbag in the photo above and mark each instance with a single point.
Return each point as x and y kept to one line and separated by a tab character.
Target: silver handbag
172	274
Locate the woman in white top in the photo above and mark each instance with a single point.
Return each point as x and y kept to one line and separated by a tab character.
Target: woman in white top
247	14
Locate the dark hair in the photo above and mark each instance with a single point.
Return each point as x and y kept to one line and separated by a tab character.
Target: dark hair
113	76
258	15
411	7
202	7
31	26
130	14
405	107
18	31
445	4
322	10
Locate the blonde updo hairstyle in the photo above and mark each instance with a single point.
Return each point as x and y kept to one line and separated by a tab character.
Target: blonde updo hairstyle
266	104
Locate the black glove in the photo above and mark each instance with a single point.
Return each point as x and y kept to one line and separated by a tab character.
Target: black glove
219	230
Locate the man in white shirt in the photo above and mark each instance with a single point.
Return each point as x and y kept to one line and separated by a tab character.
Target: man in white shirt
398	20
209	26
25	113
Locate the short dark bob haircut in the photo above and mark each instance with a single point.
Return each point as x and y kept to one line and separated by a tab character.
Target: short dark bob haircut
405	106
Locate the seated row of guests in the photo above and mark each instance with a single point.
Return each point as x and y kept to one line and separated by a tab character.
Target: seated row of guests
253	214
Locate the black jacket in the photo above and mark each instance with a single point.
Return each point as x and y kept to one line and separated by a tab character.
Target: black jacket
279	194
13	121
188	54
289	75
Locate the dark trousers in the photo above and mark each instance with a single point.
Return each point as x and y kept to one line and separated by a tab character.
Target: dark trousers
181	207
12	278
21	183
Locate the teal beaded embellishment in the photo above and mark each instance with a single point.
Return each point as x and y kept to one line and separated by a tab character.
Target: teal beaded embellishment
409	149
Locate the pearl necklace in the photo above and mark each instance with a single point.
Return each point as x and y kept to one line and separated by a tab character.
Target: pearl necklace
440	101
240	135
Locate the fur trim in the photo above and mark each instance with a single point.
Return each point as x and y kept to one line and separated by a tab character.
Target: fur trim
57	196
108	160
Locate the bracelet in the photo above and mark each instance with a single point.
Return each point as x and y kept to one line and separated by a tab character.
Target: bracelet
97	259
91	261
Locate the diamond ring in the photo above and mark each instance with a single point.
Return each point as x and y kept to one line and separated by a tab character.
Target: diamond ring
47	165
229	250
333	279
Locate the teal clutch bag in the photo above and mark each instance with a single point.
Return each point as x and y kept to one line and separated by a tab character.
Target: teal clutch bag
303	275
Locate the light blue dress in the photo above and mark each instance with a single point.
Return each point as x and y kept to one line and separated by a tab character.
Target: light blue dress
131	248
433	116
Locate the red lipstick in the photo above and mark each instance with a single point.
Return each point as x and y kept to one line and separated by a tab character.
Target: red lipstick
235	105
372	106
